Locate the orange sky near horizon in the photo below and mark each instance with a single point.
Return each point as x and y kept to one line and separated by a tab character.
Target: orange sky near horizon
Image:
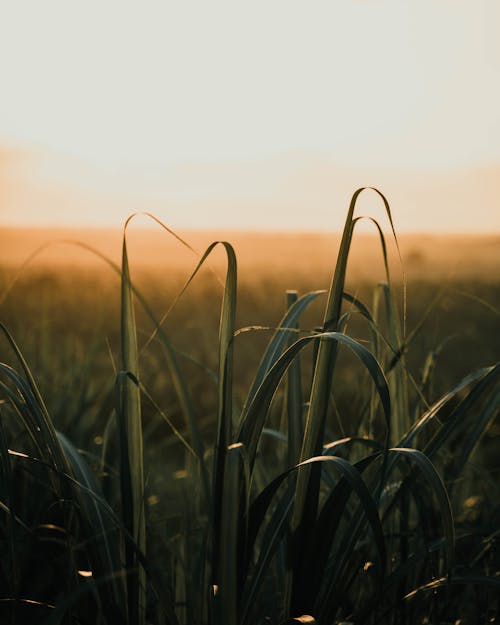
263	115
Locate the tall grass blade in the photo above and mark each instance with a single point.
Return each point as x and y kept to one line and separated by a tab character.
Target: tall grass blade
225	398
308	479
235	494
397	375
131	449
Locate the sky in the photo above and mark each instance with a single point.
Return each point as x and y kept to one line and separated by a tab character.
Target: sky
262	114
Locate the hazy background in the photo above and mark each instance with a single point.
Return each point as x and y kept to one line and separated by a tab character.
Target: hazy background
262	115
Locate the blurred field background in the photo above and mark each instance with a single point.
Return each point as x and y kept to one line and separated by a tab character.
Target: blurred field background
63	307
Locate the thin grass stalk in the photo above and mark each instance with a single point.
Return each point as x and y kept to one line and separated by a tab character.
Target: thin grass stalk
131	449
224	406
293	398
377	352
401	421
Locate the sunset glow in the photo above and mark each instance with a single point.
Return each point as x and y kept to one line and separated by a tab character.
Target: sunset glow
263	115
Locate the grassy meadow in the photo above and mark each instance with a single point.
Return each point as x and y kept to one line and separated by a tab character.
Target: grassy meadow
298	429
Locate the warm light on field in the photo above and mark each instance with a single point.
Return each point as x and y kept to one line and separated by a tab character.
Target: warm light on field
259	253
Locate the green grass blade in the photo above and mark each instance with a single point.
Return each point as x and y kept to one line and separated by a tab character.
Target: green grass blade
434	411
251	429
226	334
286	329
293	404
489	403
41	426
19	400
434	480
131	449
275	529
224	404
397	375
310	558
104	540
308	480
467	423
234	493
334	446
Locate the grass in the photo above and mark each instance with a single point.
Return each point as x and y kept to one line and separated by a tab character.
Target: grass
295	496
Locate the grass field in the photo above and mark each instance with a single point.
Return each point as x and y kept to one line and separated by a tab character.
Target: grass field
155	481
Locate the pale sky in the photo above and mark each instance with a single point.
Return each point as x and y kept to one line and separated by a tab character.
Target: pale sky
249	114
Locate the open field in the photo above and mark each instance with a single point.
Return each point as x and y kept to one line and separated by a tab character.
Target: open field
185	500
451	257
66	300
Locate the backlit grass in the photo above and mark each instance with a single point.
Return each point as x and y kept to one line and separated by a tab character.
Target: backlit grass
324	466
